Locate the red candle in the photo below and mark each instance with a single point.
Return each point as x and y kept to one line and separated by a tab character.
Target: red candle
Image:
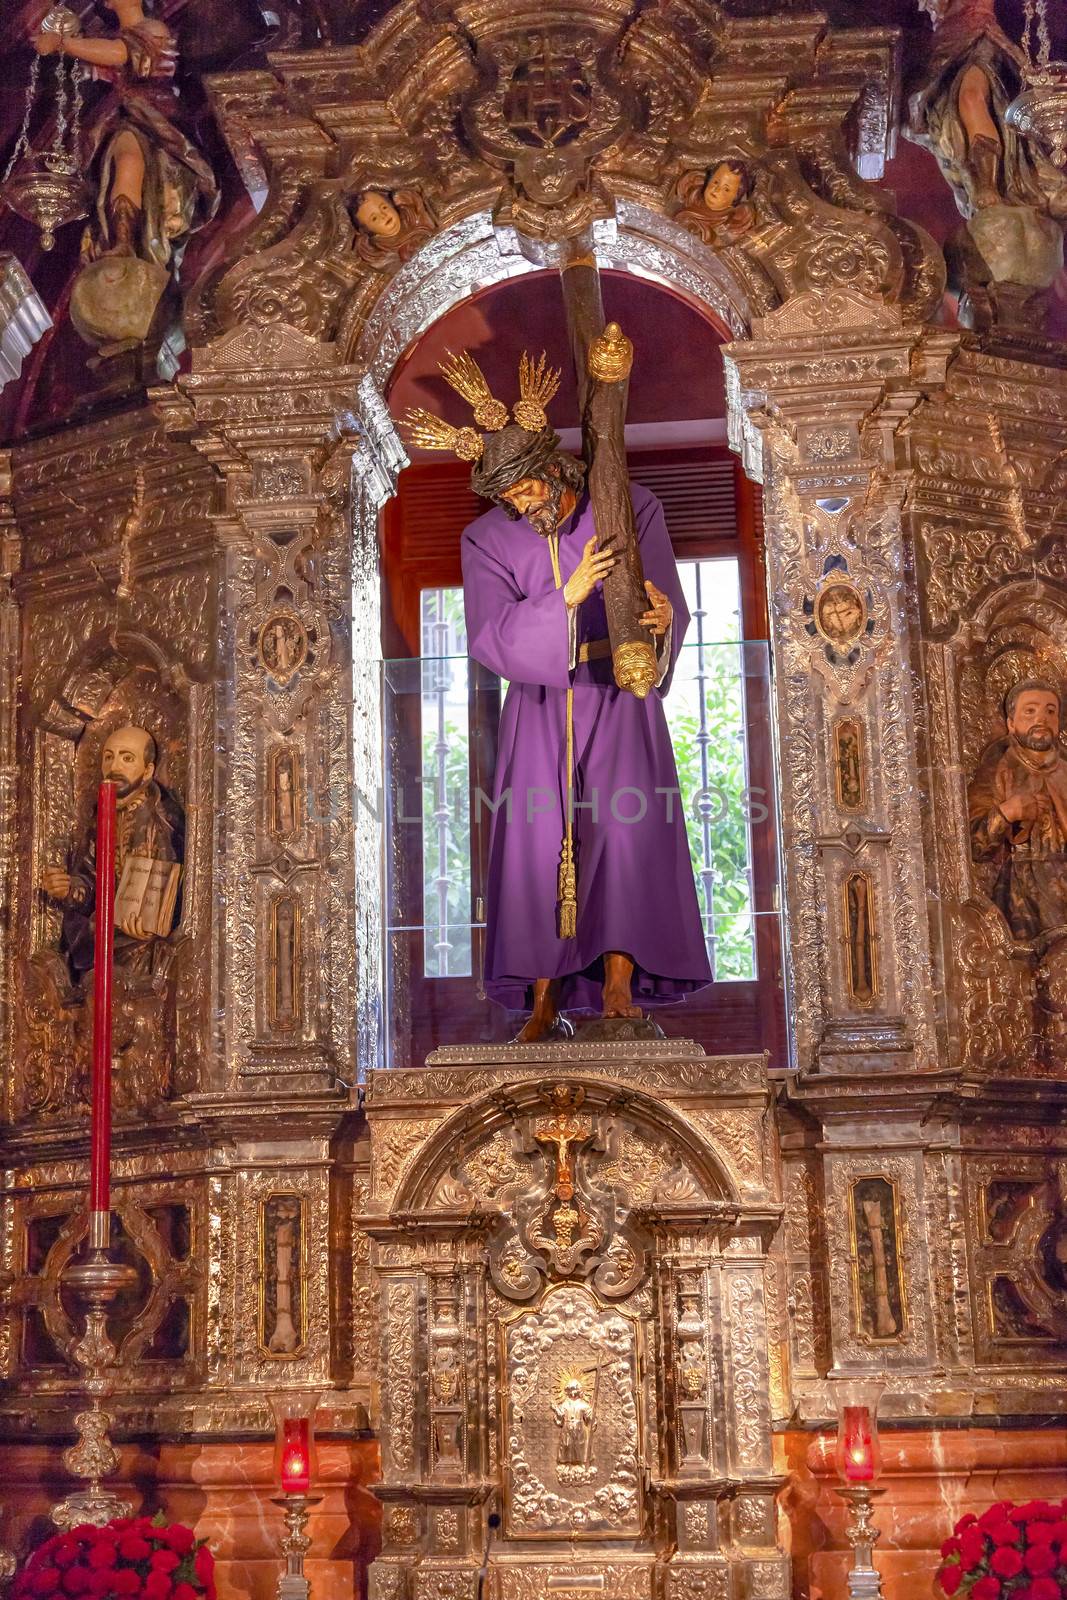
296	1455
100	1123
858	1461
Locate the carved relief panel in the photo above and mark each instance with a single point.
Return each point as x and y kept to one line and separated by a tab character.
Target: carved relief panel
1017	1240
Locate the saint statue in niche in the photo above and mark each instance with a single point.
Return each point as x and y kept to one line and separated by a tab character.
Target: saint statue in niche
850	779
716	202
286	807
536	615
391	224
860	964
284	991
1017	803
149	851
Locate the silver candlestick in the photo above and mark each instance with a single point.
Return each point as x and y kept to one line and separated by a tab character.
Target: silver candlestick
864	1579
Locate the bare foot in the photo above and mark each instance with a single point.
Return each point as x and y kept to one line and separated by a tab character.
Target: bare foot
619	1003
618	978
542	1018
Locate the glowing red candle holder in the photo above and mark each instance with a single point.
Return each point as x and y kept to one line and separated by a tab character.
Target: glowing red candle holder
296	1456
294	1444
858	1455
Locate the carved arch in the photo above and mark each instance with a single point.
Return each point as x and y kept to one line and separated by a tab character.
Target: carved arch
477	1122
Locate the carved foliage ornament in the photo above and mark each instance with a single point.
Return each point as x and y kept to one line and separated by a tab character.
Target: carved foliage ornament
567	1217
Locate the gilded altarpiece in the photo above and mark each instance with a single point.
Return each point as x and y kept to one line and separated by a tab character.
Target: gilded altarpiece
575	1312
206	564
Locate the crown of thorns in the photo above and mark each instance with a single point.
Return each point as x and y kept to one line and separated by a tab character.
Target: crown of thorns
538	382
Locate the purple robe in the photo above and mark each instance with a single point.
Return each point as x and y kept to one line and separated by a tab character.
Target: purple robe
636	892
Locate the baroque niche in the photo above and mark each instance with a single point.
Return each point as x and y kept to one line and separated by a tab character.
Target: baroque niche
119	696
1011	668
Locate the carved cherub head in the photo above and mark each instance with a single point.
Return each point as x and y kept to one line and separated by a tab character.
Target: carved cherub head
390	223
726	185
376	213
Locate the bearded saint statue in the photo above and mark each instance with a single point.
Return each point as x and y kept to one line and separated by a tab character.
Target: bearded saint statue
1018	813
591	901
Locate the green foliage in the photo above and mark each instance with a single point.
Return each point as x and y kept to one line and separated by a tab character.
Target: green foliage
723	882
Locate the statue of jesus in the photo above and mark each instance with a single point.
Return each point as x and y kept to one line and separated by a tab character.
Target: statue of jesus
573	747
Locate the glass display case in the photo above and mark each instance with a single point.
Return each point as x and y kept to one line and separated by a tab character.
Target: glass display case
436	806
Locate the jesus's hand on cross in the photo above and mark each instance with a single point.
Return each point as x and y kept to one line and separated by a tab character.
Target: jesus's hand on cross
658	618
594	565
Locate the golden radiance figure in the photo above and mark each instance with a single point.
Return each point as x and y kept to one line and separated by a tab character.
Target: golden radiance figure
573	1417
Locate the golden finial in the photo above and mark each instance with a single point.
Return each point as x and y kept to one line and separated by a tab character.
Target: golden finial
611	355
468	380
537	385
422	428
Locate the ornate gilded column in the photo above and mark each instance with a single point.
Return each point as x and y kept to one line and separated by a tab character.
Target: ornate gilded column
817	397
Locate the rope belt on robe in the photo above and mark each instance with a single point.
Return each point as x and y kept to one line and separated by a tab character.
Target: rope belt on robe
567	880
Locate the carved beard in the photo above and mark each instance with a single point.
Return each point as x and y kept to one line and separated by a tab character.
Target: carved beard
1037	739
545	518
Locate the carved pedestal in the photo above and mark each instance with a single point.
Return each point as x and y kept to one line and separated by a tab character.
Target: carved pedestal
571	1248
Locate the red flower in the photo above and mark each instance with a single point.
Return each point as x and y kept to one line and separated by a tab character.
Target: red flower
949	1578
45	1580
1040	1532
185	1591
1039	1560
133	1547
164	1560
65	1552
988	1588
951	1547
1045	1589
966	1522
1005	1533
995	1514
972	1547
76	1579
126	1581
1058	1531
1006	1562
204	1565
179	1538
1033	1511
100	1582
157	1586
